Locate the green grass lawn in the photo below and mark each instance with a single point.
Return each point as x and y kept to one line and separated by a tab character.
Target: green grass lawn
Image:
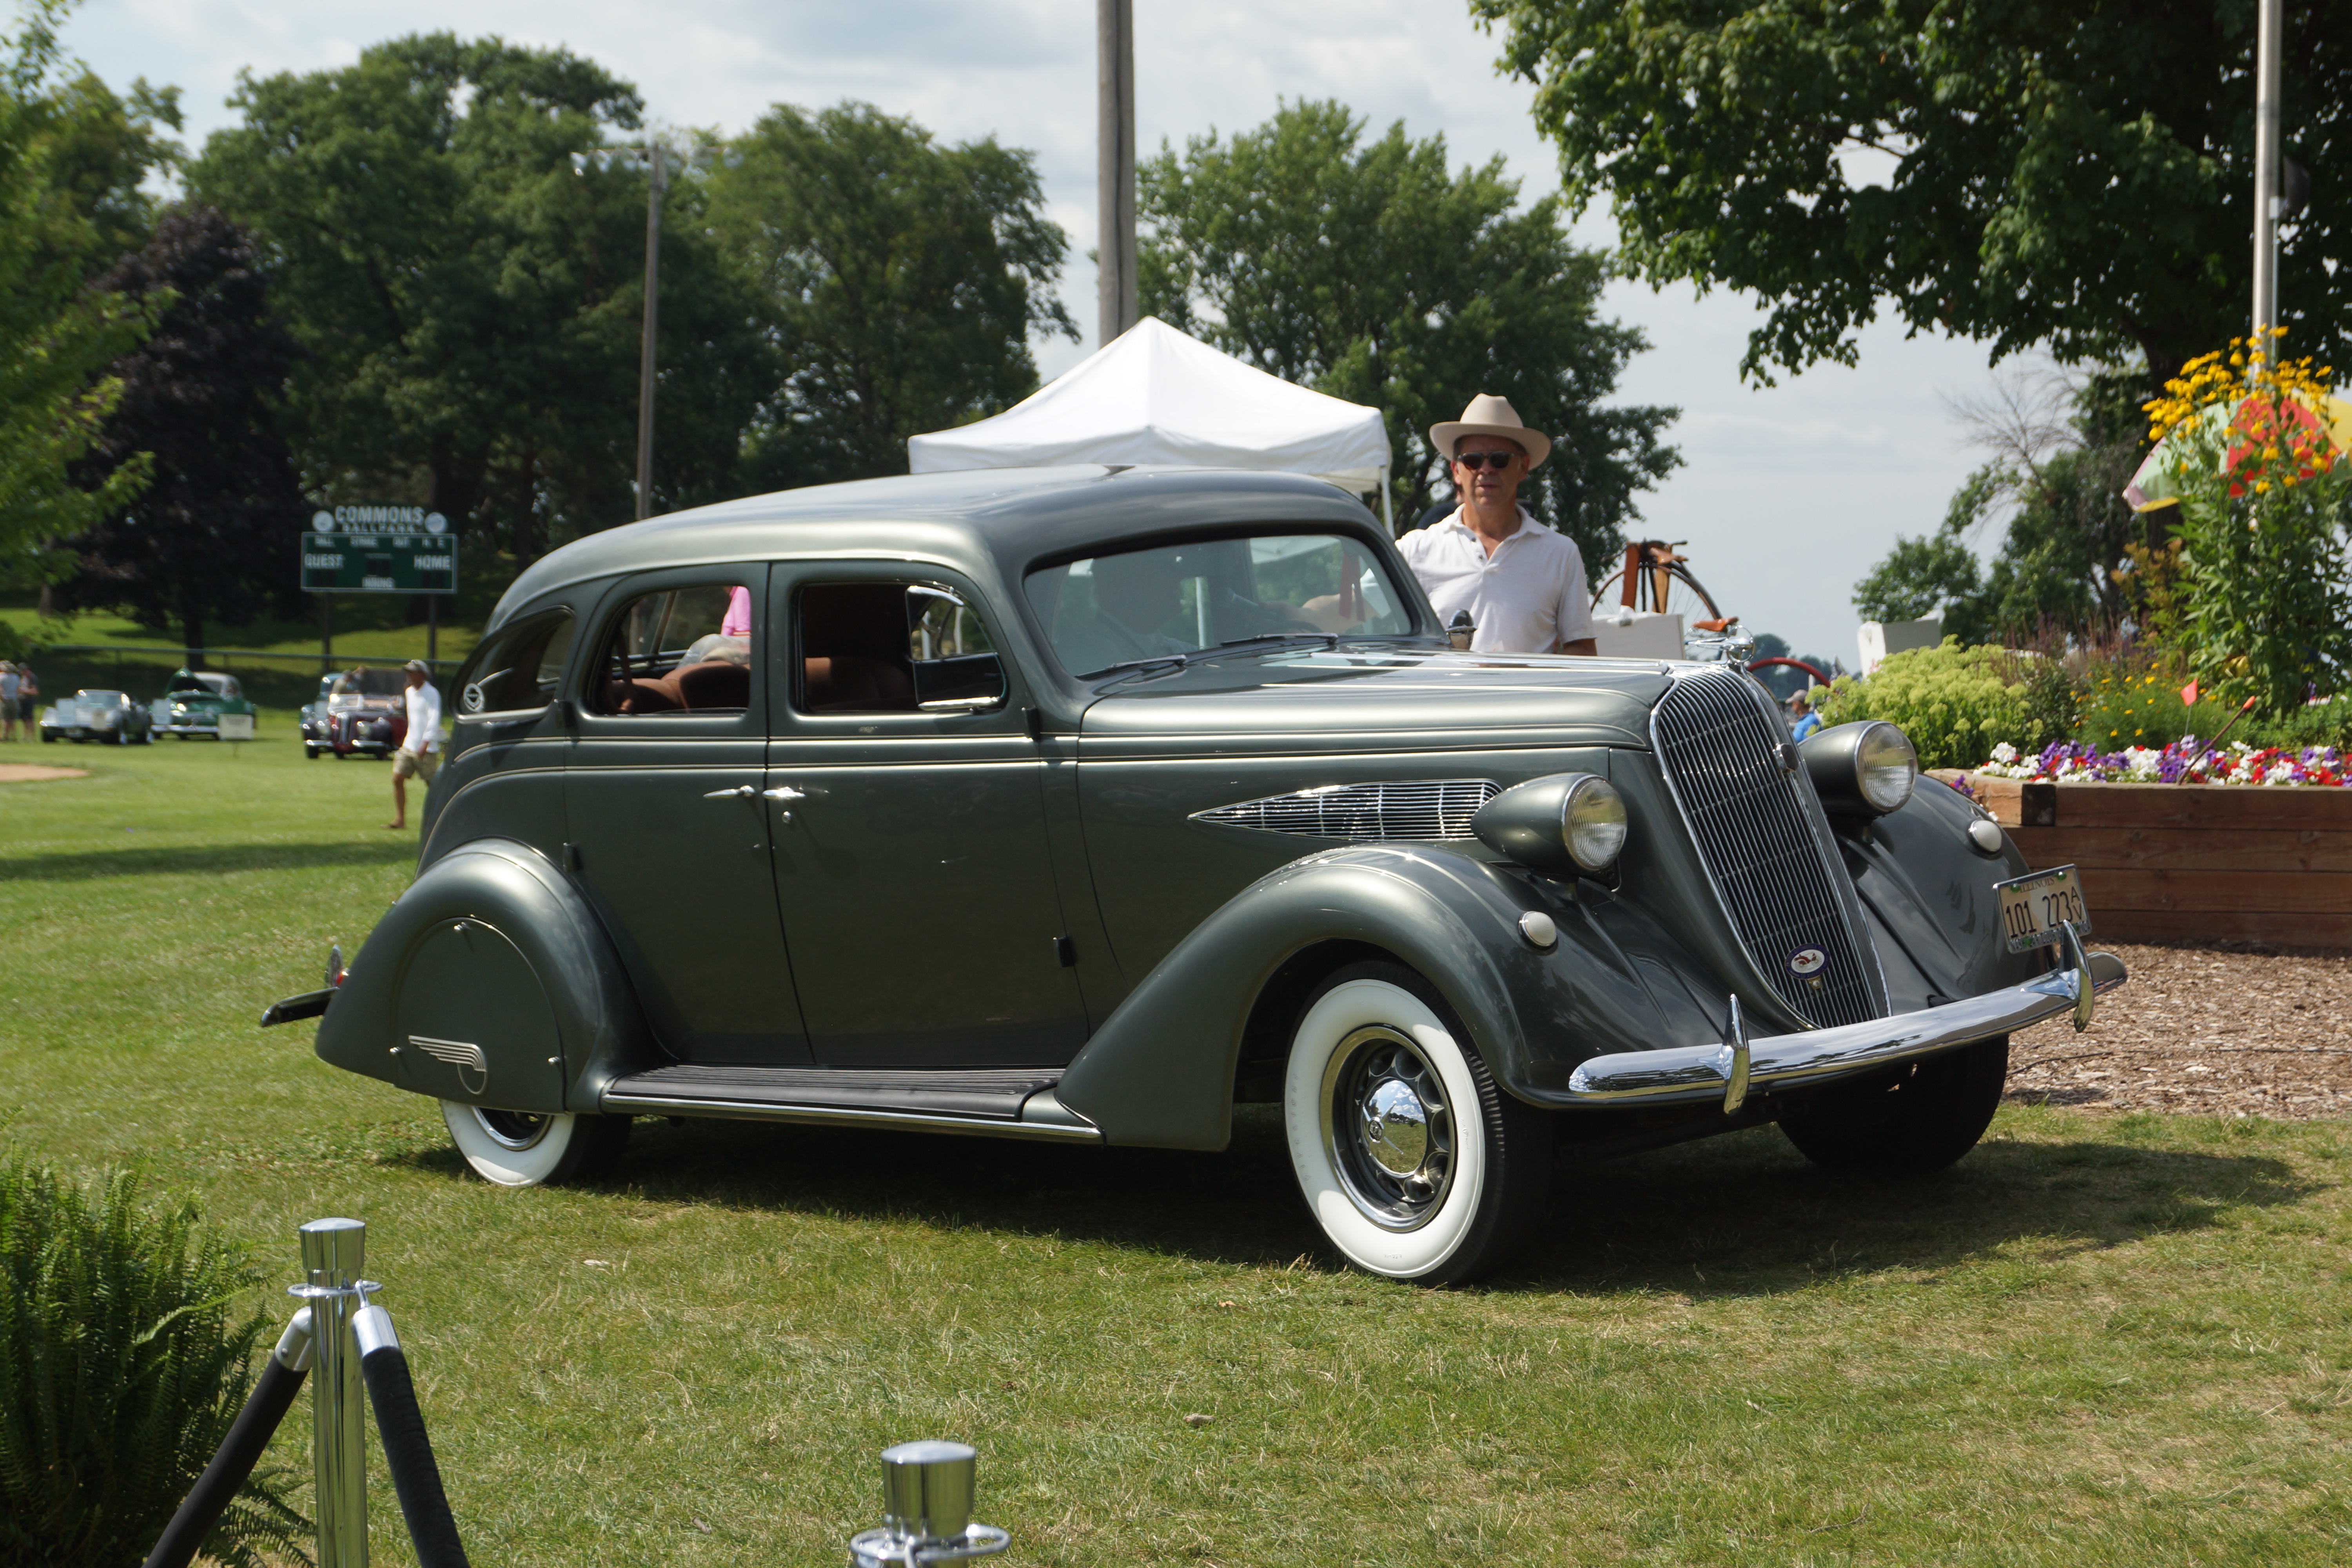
2100	1340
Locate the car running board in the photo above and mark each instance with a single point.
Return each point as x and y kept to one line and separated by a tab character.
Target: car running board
988	1102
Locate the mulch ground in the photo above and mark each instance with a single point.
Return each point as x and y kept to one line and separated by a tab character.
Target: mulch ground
2230	1031
30	773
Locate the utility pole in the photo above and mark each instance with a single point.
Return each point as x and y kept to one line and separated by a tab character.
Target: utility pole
2267	195
660	183
1115	164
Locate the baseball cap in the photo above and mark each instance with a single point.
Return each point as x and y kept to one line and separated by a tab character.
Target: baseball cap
419	666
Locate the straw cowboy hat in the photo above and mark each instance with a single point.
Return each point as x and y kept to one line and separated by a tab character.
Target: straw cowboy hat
1491	416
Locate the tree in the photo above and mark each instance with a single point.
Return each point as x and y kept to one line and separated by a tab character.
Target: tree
2062	452
211	538
468	284
2076	177
899	282
71	159
1373	273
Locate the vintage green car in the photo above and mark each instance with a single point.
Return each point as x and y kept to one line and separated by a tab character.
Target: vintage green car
194	701
1081	803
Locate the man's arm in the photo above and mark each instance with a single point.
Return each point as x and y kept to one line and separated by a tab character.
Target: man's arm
1590	647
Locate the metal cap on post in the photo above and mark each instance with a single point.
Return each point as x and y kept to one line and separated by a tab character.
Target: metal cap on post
927	1499
333	1251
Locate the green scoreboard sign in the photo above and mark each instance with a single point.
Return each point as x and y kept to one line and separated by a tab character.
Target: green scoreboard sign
379	550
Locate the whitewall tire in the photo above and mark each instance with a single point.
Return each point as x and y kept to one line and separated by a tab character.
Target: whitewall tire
1411	1158
514	1148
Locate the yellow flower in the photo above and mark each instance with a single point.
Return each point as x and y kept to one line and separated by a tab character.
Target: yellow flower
2260	486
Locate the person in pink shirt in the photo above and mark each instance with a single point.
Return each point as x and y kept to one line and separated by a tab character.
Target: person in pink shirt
737	621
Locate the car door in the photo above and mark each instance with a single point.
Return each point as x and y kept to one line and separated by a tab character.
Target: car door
667	829
911	859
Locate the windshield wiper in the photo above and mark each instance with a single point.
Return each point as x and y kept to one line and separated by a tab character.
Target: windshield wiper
1136	666
1330	639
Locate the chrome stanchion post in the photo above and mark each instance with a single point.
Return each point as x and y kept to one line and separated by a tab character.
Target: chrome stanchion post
927	1492
332	1251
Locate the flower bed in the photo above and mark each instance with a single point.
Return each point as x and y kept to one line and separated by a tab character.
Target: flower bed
2186	761
2197	862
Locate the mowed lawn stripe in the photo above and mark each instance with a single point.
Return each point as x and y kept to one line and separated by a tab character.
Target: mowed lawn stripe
2101	1338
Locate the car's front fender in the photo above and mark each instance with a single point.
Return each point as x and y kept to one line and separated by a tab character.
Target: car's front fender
491	981
1161	1070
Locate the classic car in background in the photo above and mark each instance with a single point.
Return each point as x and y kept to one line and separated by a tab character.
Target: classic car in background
1080	804
194	701
357	711
98	715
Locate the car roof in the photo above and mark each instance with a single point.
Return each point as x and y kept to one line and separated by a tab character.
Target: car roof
989	523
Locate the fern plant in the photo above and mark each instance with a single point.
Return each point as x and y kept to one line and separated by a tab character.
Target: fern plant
121	1368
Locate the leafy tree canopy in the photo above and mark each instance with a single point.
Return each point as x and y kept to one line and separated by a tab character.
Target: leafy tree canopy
72	155
1372	272
2076	177
210	540
898	284
468	284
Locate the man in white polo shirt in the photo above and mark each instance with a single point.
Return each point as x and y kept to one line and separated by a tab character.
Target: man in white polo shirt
420	754
1522	582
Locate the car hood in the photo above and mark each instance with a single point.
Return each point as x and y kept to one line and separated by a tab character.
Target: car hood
1380	698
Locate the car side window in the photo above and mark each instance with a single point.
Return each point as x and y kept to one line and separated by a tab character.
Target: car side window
516	669
678	651
894	648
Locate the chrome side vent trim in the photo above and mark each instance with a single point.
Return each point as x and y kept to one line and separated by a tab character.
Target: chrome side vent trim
1770	862
1421	810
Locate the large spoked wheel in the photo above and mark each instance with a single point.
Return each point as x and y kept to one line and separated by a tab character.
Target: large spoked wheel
522	1149
1921	1120
1413	1159
1665	590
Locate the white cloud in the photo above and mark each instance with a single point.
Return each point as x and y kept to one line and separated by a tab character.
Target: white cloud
1789	492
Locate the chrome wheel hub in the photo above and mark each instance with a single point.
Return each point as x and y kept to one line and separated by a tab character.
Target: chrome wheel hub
512	1130
1388	1128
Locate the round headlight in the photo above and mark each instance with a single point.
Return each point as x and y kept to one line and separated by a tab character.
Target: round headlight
1592	823
1885	766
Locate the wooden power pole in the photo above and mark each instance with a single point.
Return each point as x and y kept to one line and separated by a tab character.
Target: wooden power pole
645	350
1115	164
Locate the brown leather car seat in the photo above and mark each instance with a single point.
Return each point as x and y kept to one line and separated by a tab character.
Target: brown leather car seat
853	648
641	695
714	684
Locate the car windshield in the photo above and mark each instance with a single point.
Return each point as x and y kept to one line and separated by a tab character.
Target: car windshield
371	683
1139	605
101	698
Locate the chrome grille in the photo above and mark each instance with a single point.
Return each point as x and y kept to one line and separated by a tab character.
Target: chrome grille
1721	755
1418	809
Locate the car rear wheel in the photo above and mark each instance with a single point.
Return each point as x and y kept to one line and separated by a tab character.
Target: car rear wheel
522	1149
1921	1120
1413	1159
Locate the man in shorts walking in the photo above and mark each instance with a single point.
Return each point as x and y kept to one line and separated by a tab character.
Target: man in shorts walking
420	754
8	688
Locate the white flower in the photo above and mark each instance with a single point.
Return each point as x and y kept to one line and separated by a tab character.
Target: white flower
2004	753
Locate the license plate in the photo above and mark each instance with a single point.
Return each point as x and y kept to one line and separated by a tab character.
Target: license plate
2033	907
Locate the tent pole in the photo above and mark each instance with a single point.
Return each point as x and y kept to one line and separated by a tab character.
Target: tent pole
1387	512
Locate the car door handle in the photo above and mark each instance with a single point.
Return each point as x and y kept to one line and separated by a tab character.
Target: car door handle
740	791
784	791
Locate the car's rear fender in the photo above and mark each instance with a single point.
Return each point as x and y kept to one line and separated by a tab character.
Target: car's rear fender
1161	1069
491	981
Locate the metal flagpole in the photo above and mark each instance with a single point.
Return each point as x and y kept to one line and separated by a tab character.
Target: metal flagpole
646	354
1115	165
2266	172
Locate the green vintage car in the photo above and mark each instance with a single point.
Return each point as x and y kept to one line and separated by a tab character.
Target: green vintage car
194	701
1081	805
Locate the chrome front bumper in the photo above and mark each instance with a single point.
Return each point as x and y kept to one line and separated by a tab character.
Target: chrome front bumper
1731	1071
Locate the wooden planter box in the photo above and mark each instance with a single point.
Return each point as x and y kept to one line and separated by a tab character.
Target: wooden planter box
2192	862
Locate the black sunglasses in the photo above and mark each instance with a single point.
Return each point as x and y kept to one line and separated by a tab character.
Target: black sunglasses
1497	461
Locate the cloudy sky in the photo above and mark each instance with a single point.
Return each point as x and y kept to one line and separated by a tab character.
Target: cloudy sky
1789	493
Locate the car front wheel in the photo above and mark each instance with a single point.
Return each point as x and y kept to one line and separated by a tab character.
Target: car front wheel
1919	1120
1413	1159
522	1149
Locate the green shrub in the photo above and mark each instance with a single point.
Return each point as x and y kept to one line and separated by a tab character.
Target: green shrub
1956	703
121	1371
2130	702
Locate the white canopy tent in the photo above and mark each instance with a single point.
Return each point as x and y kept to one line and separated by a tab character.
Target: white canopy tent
1156	395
